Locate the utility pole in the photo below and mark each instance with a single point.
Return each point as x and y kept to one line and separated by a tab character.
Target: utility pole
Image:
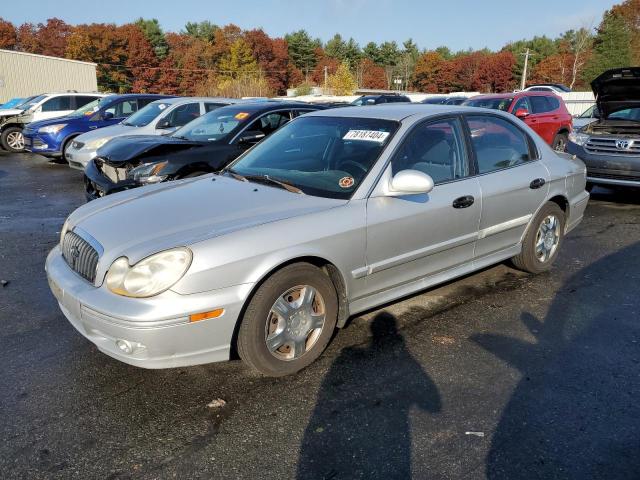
326	79
523	81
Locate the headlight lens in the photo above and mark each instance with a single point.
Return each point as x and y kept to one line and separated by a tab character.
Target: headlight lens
150	276
148	173
63	232
52	128
96	144
578	137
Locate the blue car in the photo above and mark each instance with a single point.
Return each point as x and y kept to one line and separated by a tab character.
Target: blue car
52	136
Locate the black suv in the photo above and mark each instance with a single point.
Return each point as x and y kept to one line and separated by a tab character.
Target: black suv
610	146
378	99
206	144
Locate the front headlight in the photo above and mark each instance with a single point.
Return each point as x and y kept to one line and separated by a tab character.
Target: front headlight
96	144
52	128
148	173
577	137
63	232
150	276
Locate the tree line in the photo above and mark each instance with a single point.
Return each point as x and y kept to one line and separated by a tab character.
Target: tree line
207	59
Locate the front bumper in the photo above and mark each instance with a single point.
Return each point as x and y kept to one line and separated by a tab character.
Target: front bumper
608	169
98	185
41	143
79	158
157	328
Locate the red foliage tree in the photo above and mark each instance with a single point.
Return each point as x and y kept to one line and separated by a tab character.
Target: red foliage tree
52	37
27	38
317	74
427	72
8	35
372	75
272	57
495	73
141	60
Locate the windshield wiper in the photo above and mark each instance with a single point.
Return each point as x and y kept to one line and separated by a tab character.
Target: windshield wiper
273	181
235	175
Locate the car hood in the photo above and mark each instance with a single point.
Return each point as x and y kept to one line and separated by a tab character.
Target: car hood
10	112
617	89
138	222
55	121
107	132
126	148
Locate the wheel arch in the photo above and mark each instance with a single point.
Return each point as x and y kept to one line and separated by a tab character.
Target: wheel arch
559	200
325	265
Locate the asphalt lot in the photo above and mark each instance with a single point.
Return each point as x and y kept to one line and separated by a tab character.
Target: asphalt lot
544	370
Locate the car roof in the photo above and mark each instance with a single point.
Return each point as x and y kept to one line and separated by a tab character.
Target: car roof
263	105
179	100
393	111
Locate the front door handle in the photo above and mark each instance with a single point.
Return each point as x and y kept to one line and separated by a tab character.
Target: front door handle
537	183
463	202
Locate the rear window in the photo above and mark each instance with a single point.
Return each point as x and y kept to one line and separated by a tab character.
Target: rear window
540	104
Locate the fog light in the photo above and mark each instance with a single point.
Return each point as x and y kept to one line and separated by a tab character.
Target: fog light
124	346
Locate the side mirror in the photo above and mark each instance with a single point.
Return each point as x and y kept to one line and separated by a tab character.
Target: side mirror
251	138
522	113
410	182
163	123
107	115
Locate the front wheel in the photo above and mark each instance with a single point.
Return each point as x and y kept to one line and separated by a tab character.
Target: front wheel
12	139
289	321
560	142
543	240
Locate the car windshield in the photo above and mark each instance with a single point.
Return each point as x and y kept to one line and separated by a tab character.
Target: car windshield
213	126
629	114
322	156
91	107
12	103
492	103
32	102
146	115
590	112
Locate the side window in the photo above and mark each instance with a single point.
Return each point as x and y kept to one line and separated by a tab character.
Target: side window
435	149
57	104
497	143
183	114
143	102
540	105
210	107
301	111
554	103
123	109
82	100
268	124
522	103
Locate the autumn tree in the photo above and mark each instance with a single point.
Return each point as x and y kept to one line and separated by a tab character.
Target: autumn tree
8	35
27	39
52	37
342	82
152	30
272	58
495	73
141	61
629	12
238	62
371	75
318	74
427	72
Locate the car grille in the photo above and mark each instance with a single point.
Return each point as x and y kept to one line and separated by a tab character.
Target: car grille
77	145
80	256
609	146
611	176
112	173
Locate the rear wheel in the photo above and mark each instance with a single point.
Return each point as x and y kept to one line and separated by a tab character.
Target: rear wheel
543	240
12	139
560	142
289	321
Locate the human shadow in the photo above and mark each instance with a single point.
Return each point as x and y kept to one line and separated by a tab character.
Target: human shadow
361	424
575	413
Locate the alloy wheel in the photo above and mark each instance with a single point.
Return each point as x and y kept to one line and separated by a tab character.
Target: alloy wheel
15	140
547	238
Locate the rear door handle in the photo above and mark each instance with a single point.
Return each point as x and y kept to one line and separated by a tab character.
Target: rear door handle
463	202
537	183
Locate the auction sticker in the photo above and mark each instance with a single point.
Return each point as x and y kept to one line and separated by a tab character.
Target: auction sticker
366	135
346	182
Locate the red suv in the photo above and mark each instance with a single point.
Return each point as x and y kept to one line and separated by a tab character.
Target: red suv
544	112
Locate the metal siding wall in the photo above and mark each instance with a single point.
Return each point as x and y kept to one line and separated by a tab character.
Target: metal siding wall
24	75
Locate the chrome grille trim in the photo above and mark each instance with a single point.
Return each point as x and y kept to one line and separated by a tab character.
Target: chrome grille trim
607	146
80	255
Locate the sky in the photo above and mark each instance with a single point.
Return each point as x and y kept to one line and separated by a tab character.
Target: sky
458	24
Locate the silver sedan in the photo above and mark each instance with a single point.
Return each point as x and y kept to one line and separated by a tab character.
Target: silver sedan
337	212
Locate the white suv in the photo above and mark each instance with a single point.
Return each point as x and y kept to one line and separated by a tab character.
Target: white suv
41	107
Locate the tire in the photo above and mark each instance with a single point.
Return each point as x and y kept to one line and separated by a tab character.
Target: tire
294	343
12	139
538	254
560	142
63	158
